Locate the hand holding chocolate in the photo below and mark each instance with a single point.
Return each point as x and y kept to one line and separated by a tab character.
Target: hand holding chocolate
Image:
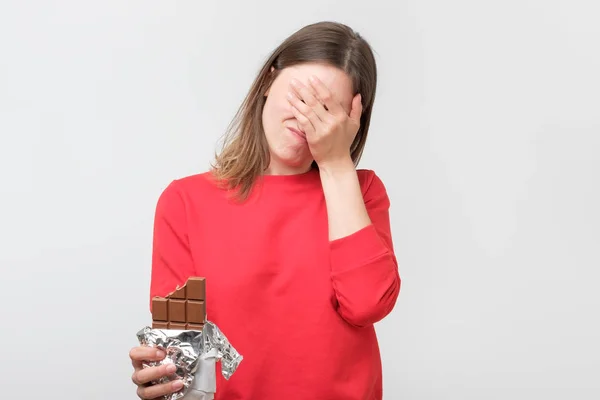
180	327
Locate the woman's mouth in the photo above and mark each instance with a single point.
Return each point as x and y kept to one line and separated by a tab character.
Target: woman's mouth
297	133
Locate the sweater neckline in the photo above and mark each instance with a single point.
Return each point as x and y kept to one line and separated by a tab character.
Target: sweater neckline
310	176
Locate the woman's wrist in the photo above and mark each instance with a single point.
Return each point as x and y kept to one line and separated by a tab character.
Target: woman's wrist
346	210
341	167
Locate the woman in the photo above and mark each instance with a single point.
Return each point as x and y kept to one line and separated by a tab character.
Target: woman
294	242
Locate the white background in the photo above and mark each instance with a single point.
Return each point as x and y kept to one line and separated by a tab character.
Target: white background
486	132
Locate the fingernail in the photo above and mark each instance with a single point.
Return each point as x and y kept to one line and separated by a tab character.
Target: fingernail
312	78
177	385
294	82
171	368
160	354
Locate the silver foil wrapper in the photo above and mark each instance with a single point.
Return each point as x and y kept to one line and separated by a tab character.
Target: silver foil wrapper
184	348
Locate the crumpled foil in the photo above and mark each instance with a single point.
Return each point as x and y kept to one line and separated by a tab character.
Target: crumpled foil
183	348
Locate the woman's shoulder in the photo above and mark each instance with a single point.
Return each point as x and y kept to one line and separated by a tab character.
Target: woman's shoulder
369	180
193	182
189	187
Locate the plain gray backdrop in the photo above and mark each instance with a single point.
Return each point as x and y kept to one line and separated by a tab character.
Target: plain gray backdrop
486	132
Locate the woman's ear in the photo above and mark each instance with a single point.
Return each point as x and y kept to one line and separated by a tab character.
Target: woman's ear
269	88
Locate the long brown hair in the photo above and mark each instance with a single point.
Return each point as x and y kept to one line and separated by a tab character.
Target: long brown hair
245	154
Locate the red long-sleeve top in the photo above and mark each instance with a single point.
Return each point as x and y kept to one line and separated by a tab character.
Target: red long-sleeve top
299	307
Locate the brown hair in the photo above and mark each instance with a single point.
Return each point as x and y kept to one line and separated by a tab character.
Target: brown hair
245	154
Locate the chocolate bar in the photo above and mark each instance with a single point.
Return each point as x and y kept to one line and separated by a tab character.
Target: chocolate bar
183	309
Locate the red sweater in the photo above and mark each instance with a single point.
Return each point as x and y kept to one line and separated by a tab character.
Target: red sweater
298	307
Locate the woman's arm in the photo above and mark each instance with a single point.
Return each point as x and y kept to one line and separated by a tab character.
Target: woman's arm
346	210
363	265
172	260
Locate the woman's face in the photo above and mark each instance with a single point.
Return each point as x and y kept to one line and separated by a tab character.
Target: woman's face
289	151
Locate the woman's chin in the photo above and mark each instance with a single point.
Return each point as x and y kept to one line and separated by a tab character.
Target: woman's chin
294	158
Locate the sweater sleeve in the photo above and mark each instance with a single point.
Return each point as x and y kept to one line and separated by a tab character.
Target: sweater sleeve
172	260
364	268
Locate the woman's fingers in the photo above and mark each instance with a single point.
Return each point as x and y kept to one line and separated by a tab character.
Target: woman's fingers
143	377
157	391
323	94
147	375
313	105
303	115
140	354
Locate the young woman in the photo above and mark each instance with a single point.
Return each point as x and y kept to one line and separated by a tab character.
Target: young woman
293	240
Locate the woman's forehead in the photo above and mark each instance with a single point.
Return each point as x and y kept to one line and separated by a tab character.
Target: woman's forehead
335	79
